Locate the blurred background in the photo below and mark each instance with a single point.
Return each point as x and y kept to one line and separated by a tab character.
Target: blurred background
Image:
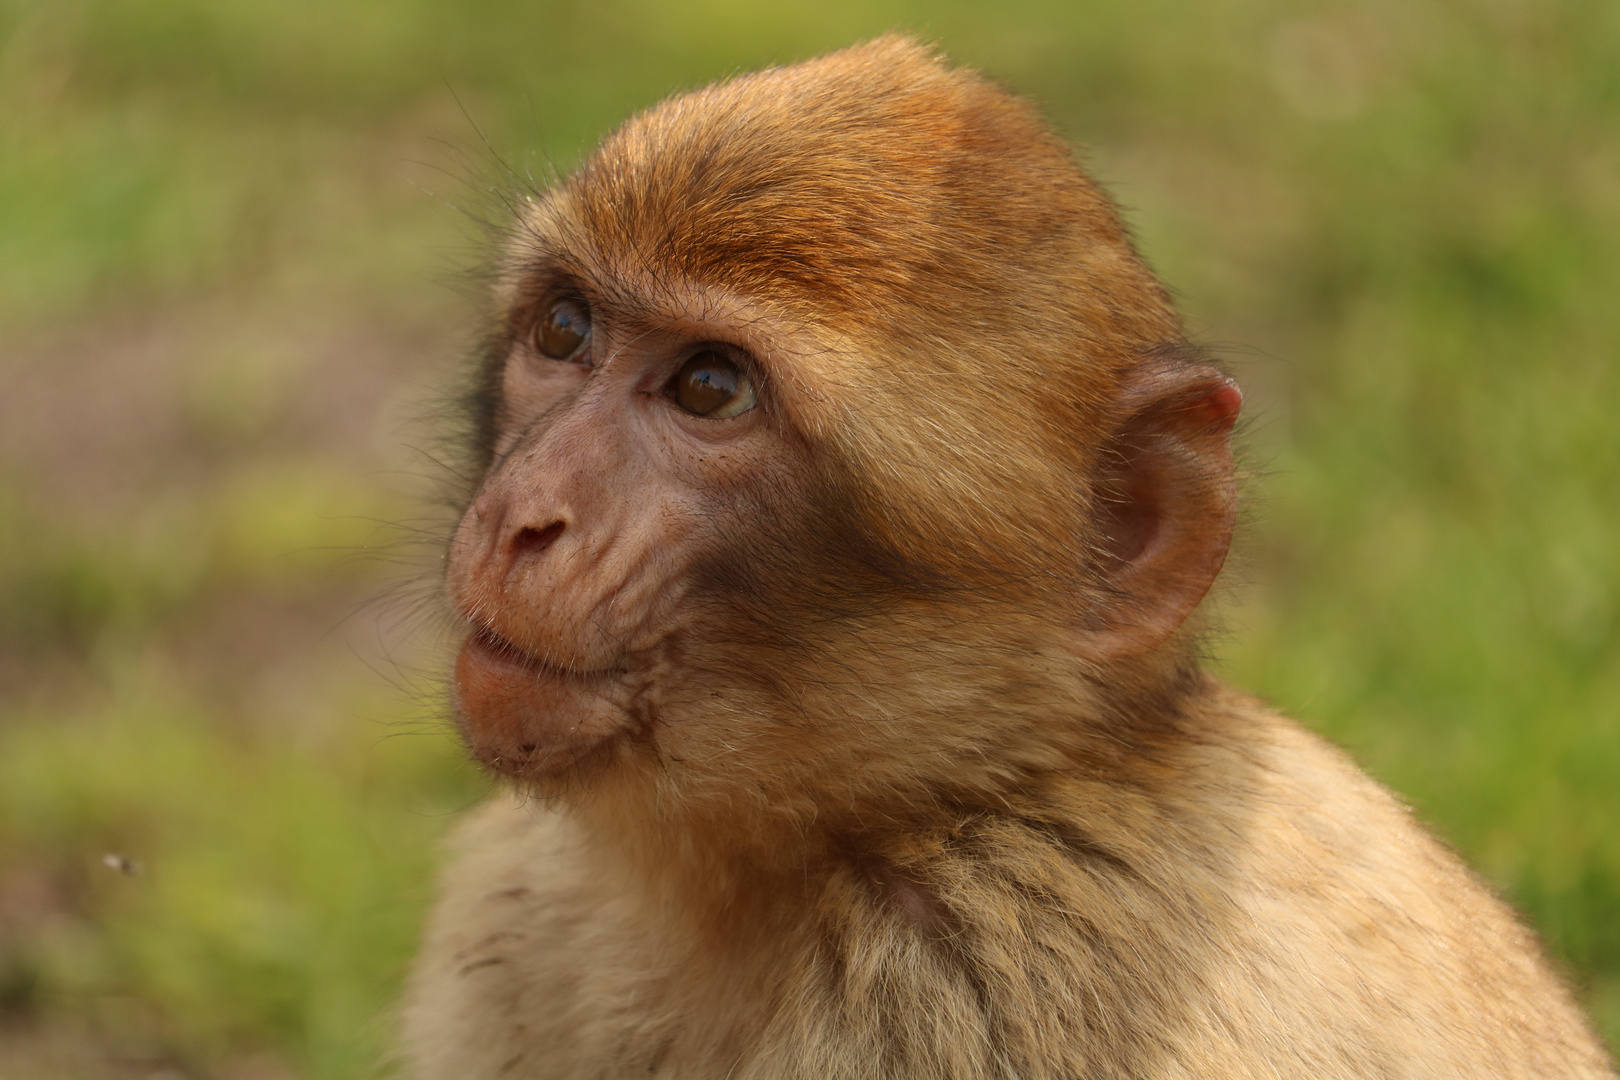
233	258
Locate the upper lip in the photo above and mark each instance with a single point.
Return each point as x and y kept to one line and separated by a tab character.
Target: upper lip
494	642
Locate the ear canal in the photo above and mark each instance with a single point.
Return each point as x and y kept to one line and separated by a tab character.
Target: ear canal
1166	504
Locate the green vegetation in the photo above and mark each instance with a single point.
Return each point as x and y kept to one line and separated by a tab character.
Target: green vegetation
225	230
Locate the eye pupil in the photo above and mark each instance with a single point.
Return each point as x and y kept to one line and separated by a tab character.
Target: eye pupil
710	385
562	330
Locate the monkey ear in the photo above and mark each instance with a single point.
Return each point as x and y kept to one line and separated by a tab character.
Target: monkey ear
1166	505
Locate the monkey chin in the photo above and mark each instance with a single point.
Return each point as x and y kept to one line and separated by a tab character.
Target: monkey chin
529	720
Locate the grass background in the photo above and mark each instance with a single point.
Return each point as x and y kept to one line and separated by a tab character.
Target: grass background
227	242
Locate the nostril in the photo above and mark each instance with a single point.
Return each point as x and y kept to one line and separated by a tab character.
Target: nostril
531	541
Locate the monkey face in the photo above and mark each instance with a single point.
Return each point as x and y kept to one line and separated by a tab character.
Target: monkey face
626	451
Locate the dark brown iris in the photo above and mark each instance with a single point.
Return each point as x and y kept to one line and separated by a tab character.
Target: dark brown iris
563	330
710	385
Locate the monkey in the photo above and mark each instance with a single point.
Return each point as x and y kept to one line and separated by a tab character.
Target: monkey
831	597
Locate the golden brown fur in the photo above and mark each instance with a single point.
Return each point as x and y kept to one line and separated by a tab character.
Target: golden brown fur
904	768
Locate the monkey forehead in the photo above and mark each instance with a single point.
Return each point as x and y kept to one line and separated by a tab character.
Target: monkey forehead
873	187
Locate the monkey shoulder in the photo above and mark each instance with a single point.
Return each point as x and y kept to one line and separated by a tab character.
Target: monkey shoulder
1343	919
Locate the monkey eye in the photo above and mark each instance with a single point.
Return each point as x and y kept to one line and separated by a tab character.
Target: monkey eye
709	385
562	330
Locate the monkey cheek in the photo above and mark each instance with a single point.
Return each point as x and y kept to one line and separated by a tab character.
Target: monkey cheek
528	721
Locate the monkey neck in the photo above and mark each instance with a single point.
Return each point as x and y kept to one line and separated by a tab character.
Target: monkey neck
715	885
767	854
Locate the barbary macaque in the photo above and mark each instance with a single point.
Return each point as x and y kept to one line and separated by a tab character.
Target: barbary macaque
848	490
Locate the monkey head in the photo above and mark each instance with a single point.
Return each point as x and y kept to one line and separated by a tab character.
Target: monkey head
832	397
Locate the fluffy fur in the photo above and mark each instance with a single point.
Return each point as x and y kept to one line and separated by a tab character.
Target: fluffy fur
911	790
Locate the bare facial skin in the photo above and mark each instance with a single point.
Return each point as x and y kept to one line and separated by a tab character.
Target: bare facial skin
847	493
572	591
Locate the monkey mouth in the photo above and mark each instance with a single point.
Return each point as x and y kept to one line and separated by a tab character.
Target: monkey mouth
528	718
504	651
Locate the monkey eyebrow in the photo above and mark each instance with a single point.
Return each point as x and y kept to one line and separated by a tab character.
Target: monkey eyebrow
632	296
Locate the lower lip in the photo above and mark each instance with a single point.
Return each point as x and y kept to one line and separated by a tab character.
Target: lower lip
524	718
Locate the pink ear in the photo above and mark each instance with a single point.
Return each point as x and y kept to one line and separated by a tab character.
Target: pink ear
1166	507
1223	403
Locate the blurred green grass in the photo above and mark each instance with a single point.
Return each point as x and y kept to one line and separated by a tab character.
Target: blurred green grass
224	234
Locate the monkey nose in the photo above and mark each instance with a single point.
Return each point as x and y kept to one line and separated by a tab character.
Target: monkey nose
530	542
